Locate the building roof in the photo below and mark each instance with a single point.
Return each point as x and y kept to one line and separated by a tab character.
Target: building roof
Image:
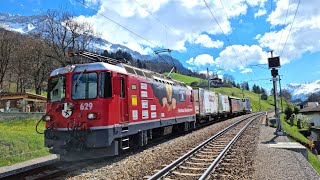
311	107
17	95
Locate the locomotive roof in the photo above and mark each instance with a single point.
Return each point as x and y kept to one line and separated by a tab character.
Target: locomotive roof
91	67
120	68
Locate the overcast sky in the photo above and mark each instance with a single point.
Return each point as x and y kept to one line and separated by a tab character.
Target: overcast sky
237	35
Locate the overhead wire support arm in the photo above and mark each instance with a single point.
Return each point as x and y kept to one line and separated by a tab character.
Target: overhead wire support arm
169	52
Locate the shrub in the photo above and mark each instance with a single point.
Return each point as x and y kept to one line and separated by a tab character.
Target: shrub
288	112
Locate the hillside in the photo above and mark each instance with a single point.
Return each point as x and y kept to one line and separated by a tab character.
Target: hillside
183	78
235	92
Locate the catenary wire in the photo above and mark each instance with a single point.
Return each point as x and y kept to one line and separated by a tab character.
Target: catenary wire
113	21
285	20
215	19
294	17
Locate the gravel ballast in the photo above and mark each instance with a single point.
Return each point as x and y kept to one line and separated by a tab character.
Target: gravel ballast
238	163
144	163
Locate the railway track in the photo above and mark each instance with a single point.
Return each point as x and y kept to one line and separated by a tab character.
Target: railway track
201	161
54	170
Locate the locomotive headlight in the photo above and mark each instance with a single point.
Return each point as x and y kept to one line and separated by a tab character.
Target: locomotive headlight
92	116
47	118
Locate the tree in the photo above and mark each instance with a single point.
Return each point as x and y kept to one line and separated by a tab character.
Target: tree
286	94
245	86
288	112
63	33
296	110
7	47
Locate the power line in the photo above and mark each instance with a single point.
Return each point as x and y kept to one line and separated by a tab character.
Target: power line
285	20
236	37
125	28
294	17
270	22
225	35
165	26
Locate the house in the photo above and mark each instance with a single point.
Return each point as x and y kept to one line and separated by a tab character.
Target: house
22	102
312	110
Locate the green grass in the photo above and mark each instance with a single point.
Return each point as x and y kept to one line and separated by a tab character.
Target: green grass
33	91
184	78
20	142
314	161
293	130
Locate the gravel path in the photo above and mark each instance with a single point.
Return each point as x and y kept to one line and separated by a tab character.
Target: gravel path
144	163
271	163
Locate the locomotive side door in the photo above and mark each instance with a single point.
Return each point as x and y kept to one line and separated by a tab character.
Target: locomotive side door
121	82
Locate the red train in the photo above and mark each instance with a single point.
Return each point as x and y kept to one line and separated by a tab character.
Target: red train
98	109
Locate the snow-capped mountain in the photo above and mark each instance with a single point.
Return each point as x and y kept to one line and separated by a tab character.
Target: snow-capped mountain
22	24
302	91
30	24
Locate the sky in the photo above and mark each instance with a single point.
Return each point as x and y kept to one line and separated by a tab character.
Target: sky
226	36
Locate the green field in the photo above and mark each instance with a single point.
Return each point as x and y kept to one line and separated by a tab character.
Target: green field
19	141
183	78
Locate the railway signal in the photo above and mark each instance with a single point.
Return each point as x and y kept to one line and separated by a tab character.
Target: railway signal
274	64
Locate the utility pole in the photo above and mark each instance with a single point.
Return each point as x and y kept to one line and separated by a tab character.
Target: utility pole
260	102
280	93
274	62
242	85
208	79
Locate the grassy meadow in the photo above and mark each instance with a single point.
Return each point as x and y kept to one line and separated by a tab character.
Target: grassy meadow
19	141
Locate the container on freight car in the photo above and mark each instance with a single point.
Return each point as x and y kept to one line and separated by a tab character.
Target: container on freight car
236	105
206	102
247	106
224	106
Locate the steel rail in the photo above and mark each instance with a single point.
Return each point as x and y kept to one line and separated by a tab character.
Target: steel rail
186	156
225	150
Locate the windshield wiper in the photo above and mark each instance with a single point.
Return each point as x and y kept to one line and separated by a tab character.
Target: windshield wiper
77	81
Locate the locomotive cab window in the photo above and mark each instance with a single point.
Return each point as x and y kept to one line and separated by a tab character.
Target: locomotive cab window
57	89
105	88
84	86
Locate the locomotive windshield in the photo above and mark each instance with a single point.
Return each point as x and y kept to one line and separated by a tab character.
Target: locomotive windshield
57	89
84	86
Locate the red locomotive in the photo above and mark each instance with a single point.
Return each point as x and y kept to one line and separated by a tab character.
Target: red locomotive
98	109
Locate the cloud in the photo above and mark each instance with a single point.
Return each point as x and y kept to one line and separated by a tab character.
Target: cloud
206	41
304	30
258	36
229	60
201	60
181	21
261	12
246	70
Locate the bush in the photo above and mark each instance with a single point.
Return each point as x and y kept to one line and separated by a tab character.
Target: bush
296	110
288	112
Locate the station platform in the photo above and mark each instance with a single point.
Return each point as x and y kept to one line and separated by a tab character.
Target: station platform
278	158
27	165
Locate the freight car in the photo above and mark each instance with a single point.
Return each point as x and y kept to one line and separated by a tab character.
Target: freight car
98	109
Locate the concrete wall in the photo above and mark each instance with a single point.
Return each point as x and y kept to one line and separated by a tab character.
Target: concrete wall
19	115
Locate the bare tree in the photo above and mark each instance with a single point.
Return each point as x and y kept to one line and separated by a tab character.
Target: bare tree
64	33
7	44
